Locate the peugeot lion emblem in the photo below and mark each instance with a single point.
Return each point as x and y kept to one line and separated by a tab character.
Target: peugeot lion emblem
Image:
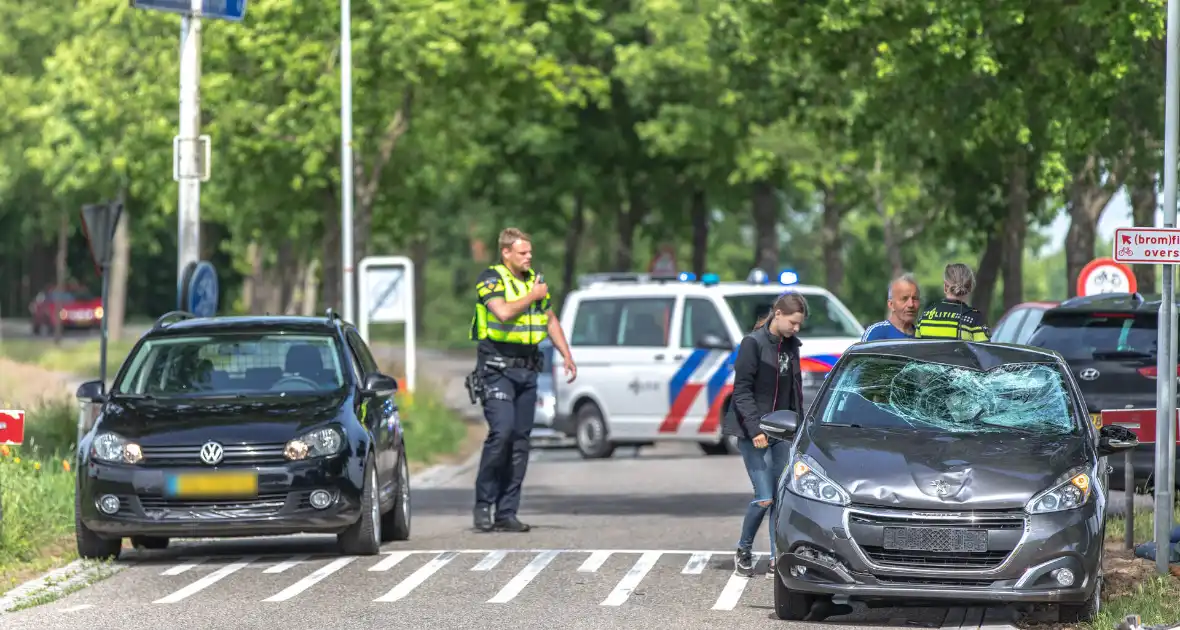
941	488
1088	374
211	453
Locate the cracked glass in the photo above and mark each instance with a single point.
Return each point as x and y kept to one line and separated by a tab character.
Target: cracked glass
895	392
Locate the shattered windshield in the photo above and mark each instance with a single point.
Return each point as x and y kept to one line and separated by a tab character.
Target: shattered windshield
895	392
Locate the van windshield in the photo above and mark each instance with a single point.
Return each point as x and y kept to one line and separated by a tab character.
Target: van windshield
824	318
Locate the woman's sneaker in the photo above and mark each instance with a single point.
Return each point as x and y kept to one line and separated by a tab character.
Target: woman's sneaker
770	570
743	563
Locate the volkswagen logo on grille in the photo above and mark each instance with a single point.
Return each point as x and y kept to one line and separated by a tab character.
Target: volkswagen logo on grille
211	453
1088	374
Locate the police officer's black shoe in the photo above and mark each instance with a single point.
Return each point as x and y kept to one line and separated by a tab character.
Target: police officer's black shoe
483	518
511	524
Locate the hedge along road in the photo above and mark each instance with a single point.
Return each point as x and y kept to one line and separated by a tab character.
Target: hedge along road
639	541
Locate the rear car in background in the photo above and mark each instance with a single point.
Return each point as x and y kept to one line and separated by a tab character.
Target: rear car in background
1019	323
543	432
655	354
1109	342
243	426
931	472
75	307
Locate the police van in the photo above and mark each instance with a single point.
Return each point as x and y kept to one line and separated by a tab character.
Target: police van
655	354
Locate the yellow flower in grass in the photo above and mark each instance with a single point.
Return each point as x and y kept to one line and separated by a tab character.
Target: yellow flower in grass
65	465
36	465
4	450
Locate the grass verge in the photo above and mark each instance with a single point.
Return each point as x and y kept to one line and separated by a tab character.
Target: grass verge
74	356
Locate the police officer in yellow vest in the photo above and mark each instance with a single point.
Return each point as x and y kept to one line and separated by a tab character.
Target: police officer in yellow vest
512	317
952	317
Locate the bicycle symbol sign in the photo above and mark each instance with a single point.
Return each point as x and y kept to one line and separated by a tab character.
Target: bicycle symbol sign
1104	275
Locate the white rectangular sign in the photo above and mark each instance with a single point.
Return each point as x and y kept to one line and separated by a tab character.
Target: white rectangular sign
1144	245
386	288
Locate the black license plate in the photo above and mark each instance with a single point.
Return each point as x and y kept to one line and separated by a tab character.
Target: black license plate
935	539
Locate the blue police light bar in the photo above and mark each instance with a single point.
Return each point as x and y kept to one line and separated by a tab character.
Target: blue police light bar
757	276
687	276
710	279
788	276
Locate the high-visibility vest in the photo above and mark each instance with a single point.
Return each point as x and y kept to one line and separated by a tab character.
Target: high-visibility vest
529	328
951	319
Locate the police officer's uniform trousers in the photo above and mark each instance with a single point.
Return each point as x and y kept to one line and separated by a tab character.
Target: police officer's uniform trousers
508	362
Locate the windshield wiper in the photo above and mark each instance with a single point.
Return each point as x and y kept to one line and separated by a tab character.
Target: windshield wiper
126	396
976	420
843	424
1122	354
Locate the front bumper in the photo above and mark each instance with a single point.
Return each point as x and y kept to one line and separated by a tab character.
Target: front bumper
282	505
832	550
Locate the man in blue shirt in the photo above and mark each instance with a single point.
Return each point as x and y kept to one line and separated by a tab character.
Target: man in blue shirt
904	302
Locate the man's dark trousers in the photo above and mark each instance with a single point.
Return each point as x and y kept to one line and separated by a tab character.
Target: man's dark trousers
509	408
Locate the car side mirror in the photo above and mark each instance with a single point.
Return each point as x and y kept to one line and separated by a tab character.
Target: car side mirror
379	385
1114	439
780	424
92	391
711	341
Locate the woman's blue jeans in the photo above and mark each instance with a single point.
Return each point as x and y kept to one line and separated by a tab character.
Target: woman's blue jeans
764	465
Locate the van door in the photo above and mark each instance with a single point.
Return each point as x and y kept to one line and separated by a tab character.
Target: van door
701	381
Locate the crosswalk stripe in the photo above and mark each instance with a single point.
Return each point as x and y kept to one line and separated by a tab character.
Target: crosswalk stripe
697	563
522	579
595	561
418	577
391	561
627	585
731	593
283	566
309	581
207	581
490	561
181	568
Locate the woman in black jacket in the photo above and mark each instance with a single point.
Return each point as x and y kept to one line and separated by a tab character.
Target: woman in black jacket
766	379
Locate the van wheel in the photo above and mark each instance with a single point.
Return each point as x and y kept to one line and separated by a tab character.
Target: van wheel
727	446
590	433
790	605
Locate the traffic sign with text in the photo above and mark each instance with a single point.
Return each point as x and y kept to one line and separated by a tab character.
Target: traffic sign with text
1144	245
216	9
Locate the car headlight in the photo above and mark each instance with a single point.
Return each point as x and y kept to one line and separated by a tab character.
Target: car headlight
112	447
317	443
1071	491
808	480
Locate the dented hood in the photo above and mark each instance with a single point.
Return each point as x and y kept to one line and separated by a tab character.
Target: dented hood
904	468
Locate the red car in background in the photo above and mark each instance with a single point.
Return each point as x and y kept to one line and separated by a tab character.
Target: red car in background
76	307
1018	324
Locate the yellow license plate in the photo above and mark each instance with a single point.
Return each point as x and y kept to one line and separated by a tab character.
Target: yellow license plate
243	484
1096	418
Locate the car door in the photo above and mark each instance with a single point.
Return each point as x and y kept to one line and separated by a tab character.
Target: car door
380	417
705	370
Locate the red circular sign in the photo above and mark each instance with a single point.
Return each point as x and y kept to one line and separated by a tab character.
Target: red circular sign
1104	275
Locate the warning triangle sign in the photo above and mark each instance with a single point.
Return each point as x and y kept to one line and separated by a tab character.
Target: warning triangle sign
99	222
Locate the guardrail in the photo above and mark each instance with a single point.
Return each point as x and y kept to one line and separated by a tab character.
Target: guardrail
1142	423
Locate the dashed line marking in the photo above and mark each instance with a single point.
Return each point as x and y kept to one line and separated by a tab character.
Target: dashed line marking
490	561
311	580
630	581
522	579
207	581
595	561
406	586
697	563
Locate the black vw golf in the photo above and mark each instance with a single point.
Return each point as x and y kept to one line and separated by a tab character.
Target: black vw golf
930	471
243	426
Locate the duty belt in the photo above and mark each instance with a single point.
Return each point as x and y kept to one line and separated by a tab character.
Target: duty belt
502	362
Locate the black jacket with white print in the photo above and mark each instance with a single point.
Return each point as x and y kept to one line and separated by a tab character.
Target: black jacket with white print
766	378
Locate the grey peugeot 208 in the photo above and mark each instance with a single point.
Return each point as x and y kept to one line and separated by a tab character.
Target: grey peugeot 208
931	471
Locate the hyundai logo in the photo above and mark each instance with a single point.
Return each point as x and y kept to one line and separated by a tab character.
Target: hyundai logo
1088	374
211	453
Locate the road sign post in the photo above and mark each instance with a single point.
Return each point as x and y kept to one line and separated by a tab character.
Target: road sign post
348	281
189	169
99	222
387	295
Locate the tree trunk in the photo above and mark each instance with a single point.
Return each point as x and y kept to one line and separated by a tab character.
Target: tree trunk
628	223
569	263
330	281
832	241
1015	228
1143	207
60	276
116	308
420	254
765	211
889	230
699	213
1087	200
250	300
985	276
310	288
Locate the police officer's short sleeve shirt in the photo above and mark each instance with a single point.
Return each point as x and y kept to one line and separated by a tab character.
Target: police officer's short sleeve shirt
489	286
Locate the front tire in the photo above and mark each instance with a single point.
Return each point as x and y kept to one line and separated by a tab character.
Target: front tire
591	435
1083	612
395	524
91	546
363	538
790	605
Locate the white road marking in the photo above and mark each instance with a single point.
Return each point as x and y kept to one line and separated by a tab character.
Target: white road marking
207	581
309	581
731	593
490	561
181	568
418	577
697	563
627	585
78	607
283	566
391	561
595	561
522	579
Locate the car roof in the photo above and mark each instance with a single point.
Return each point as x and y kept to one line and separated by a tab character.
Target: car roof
614	289
1116	302
243	323
975	355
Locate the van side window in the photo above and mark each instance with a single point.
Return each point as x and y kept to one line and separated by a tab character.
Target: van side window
646	322
596	323
700	318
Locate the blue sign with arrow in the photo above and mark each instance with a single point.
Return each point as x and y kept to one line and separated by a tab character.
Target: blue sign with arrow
203	291
233	10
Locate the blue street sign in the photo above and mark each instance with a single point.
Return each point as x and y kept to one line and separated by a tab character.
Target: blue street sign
203	290
233	10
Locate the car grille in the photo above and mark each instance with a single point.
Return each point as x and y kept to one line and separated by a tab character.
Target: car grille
235	454
906	540
262	505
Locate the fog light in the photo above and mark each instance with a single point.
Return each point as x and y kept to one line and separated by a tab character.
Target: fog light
1064	577
320	499
797	571
108	504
